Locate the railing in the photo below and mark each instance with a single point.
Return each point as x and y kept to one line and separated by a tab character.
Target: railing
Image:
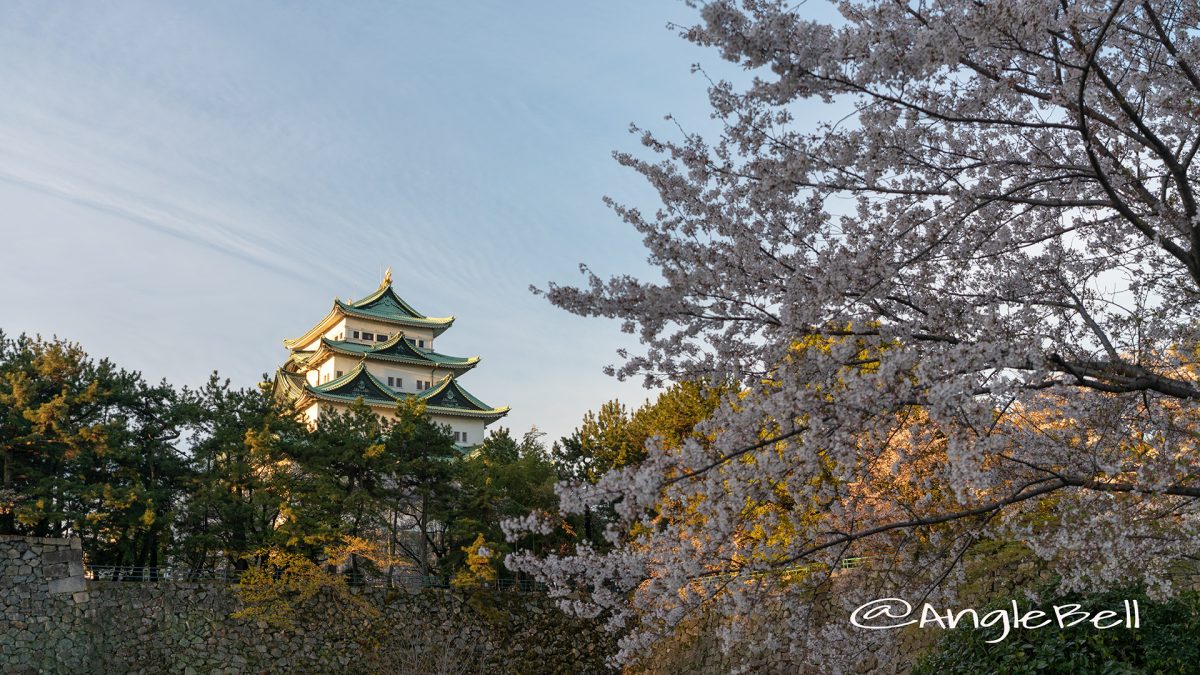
416	581
407	580
843	564
133	573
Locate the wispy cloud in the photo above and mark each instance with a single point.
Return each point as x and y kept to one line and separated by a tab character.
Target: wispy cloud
188	228
296	151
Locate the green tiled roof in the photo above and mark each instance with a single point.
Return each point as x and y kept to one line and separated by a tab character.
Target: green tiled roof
288	385
385	301
354	385
383	305
400	350
383	314
450	394
447	398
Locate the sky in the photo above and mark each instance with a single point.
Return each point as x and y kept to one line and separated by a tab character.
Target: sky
184	185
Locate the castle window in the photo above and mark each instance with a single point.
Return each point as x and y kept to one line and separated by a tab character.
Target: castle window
368	336
420	343
460	437
356	335
339	373
381	338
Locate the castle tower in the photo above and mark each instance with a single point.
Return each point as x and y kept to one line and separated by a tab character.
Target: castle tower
380	349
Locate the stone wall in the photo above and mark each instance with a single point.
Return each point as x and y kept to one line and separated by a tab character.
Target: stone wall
44	605
54	621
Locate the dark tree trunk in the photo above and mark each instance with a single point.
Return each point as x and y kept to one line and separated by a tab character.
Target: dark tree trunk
8	520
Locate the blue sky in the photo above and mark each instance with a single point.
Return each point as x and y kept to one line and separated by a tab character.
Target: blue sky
186	184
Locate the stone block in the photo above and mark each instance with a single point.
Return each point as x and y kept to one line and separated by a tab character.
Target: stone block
80	597
61	555
68	585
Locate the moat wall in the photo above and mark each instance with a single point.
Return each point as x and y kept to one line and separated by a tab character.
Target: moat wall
52	620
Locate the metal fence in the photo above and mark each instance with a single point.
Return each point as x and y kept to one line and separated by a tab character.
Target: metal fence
795	570
131	573
396	579
399	580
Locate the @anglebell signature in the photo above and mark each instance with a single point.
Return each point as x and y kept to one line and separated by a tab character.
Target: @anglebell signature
890	613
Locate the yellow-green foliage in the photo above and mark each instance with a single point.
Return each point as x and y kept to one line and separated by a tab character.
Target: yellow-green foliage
275	589
479	570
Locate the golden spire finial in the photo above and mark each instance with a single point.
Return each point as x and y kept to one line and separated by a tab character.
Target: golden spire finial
387	277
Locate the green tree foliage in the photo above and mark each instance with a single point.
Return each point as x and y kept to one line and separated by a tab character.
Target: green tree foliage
613	437
239	475
339	477
218	477
87	448
356	474
503	478
426	487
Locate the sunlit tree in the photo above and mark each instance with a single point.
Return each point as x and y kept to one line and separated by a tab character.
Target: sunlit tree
996	230
87	450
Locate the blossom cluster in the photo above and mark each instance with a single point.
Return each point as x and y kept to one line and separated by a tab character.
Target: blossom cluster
964	312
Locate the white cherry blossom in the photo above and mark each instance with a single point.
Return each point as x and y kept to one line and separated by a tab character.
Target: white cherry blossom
996	257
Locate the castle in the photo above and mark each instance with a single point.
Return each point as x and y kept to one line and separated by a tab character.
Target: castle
379	349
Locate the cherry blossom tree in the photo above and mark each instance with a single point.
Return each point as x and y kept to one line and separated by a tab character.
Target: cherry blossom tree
964	310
